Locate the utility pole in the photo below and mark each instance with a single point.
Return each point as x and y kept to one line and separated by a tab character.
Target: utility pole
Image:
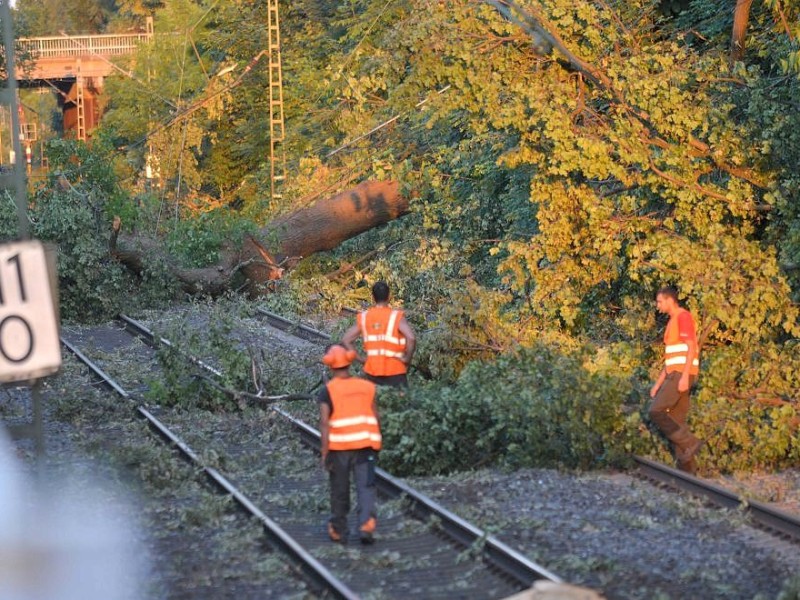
17	179
277	157
2	125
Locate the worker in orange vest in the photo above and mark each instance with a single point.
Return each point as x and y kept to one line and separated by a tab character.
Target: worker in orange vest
388	340
670	392
351	438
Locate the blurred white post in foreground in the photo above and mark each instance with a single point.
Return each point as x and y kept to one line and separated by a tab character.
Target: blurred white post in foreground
61	541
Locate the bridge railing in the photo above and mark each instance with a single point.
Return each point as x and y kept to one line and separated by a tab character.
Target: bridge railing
82	45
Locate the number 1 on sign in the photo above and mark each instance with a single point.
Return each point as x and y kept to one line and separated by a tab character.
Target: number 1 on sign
15	260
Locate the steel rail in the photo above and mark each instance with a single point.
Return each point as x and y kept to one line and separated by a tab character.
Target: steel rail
496	553
140	330
292	327
309	565
778	521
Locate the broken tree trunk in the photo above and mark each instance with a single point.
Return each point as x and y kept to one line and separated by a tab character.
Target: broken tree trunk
328	223
281	243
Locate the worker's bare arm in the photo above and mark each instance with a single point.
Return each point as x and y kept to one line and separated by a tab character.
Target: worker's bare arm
411	340
349	340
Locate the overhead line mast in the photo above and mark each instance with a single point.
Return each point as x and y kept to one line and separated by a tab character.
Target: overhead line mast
277	156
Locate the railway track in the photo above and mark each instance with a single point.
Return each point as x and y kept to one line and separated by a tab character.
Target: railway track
422	549
323	579
780	523
294	327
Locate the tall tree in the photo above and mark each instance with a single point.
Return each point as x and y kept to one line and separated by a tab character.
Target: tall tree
52	17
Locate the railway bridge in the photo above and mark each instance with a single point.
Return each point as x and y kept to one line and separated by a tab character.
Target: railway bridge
74	66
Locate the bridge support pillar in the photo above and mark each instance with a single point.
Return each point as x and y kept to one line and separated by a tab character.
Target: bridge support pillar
80	108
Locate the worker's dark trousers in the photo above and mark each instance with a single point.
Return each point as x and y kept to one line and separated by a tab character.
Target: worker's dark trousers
668	411
362	464
396	381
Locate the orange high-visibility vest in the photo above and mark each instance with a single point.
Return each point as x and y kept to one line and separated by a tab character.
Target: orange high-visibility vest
676	350
353	425
383	342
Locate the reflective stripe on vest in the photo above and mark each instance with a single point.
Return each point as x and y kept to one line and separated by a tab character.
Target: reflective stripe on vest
353	425
676	350
343	438
384	347
359	420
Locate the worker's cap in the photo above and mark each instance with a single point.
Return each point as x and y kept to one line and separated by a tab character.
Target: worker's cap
338	357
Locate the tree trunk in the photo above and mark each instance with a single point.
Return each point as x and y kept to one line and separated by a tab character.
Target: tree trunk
328	223
281	243
741	17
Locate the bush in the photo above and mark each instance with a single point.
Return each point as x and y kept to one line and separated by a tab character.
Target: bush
537	407
73	210
91	285
545	406
747	407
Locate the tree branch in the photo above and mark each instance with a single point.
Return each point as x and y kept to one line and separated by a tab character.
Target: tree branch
539	27
741	17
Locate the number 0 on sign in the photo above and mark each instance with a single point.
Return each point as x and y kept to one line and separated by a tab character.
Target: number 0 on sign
29	345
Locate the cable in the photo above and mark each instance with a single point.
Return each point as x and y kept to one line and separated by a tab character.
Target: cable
384	124
196	105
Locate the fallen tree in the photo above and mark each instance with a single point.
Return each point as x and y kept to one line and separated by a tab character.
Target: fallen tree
278	245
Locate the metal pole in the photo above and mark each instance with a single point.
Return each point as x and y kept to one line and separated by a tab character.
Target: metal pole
38	425
2	124
18	181
18	177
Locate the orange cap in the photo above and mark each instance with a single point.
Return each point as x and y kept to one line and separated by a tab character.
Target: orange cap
338	357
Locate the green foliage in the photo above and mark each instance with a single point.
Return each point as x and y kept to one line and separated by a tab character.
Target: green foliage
91	285
539	406
51	17
196	242
470	326
656	164
772	30
790	590
289	299
9	221
746	407
73	210
554	189
184	383
162	102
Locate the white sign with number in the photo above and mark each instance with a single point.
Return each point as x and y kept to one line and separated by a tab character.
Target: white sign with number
29	344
